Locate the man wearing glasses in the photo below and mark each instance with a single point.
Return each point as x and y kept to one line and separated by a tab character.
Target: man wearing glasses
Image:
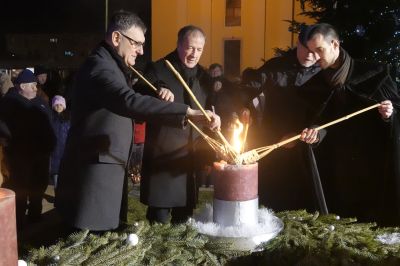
92	180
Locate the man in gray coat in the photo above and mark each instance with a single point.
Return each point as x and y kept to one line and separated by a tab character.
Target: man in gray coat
93	170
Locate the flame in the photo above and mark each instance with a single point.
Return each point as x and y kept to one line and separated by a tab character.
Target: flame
236	136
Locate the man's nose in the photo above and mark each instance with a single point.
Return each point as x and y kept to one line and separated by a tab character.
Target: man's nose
140	50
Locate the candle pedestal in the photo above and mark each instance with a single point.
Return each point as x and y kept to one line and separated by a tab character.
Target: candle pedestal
235	216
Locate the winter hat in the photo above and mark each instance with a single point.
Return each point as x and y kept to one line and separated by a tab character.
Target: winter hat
26	76
58	99
40	70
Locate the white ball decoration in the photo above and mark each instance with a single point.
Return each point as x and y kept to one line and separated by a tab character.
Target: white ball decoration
22	263
331	227
136	224
132	240
56	258
337	217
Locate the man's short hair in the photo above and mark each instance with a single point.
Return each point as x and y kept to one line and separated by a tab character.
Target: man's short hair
124	20
187	30
325	29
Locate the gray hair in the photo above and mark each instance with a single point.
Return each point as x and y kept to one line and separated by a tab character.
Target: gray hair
188	30
124	20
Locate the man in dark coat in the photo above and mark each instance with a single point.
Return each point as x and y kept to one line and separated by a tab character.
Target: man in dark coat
93	179
292	98
358	159
165	187
31	140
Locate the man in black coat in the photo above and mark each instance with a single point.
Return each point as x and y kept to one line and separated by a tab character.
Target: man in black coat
31	140
359	158
169	162
292	97
92	179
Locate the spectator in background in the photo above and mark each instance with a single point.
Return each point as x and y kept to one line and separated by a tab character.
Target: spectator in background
61	124
224	95
5	83
31	142
41	77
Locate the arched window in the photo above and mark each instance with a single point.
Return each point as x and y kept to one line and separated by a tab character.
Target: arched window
233	13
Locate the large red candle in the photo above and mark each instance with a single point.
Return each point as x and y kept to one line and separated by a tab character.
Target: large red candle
235	194
8	231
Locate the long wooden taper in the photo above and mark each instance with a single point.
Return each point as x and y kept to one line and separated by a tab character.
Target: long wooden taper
179	77
277	145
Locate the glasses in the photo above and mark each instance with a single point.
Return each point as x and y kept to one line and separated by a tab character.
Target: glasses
134	43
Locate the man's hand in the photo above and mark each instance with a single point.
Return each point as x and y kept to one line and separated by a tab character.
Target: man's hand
197	117
386	109
309	135
165	95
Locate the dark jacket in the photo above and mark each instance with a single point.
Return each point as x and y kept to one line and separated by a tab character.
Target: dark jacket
169	158
29	125
92	175
357	159
292	98
61	126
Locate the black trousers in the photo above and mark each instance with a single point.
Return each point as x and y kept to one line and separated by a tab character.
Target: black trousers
29	179
161	215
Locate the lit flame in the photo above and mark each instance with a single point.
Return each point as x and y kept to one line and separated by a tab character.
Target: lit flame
236	136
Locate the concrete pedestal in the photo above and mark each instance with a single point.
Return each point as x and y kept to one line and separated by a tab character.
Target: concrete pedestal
8	229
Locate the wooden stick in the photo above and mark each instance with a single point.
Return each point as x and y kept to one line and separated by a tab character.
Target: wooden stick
277	145
179	77
143	78
213	143
187	89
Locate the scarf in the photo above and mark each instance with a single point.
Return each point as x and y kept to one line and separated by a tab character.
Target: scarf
337	77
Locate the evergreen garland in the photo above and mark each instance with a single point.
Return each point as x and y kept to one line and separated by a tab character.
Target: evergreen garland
307	239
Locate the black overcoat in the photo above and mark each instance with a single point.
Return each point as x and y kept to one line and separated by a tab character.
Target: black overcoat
93	168
357	158
169	159
292	98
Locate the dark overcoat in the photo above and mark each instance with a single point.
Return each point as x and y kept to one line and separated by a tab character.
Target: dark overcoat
292	97
357	157
93	168
170	157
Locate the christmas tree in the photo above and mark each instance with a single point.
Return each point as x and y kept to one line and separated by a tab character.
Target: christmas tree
368	29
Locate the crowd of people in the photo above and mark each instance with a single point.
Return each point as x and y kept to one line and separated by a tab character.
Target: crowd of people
115	123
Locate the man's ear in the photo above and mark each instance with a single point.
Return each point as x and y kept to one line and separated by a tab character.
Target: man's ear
115	38
22	86
336	43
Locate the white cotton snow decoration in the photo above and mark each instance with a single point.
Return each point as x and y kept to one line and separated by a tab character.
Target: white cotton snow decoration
22	263
389	239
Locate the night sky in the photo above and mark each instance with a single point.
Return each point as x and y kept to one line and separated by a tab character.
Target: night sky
72	16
